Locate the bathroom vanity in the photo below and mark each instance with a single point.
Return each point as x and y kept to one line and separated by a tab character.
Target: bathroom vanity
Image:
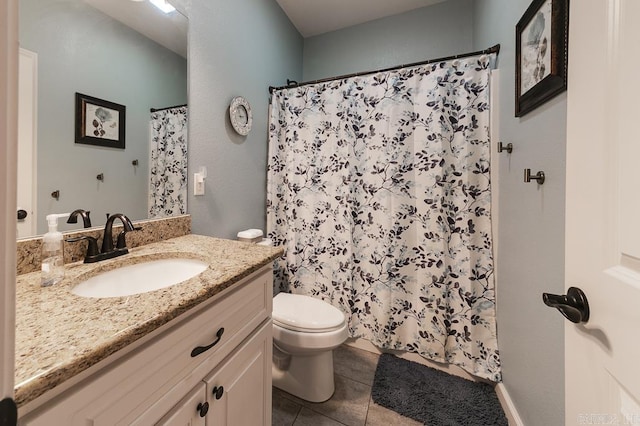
198	352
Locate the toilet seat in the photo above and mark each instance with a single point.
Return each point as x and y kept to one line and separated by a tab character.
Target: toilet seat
301	313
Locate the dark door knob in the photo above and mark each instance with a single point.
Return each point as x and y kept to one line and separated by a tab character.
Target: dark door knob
573	305
22	214
8	412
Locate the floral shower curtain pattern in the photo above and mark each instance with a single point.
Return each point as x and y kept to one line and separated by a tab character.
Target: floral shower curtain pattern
379	190
168	163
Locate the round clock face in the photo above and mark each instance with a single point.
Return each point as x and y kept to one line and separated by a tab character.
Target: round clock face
240	115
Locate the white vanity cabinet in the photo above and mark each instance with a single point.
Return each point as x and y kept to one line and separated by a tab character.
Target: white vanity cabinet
223	342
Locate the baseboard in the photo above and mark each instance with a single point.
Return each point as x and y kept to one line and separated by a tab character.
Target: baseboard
454	370
507	405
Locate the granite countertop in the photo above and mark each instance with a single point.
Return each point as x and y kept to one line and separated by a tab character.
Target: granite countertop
59	334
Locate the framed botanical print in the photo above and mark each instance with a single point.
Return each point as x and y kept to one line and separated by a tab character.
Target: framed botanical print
99	122
541	54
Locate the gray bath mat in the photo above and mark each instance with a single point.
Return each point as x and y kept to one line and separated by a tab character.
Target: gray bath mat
433	397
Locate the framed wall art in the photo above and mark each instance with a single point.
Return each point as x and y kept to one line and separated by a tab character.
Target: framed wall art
99	122
541	54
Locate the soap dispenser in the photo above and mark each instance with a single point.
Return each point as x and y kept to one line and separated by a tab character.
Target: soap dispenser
52	270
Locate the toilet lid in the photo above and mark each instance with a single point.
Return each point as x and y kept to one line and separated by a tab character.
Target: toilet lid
304	313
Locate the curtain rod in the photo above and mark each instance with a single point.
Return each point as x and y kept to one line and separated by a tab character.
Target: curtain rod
292	84
162	109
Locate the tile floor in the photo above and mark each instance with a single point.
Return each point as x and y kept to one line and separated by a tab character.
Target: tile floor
350	405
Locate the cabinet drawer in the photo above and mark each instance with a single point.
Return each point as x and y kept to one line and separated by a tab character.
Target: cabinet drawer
122	391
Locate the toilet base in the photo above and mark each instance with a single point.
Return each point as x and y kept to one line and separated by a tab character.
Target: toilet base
309	376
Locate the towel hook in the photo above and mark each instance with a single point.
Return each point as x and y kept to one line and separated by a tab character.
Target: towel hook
508	147
539	177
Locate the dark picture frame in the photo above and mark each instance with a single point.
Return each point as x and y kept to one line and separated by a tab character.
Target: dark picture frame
100	122
541	54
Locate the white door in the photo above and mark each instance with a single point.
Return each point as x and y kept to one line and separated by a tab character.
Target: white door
27	142
8	156
602	356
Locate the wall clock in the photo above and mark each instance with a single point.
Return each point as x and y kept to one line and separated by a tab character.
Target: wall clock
240	115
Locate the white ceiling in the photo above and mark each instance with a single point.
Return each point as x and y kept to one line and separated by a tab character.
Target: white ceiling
310	17
169	30
314	17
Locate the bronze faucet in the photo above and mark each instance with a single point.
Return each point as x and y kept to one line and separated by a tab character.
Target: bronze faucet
108	251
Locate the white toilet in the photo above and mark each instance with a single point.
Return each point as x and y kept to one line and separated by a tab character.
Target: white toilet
305	332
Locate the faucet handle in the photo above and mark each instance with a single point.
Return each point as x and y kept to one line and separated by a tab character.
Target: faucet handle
121	242
92	246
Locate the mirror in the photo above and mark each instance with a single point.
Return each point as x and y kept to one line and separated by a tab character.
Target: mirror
102	49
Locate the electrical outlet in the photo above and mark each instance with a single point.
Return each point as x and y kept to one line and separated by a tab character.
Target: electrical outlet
198	184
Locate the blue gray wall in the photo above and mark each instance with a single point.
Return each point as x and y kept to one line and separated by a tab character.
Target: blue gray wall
226	62
82	50
531	231
236	48
440	30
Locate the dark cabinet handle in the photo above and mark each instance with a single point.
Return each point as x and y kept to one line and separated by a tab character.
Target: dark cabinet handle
203	408
218	391
22	214
200	349
573	305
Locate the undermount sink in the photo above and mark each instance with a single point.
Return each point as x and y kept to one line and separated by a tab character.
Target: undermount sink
140	278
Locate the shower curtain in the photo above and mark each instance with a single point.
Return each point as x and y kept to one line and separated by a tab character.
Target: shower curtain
378	189
168	163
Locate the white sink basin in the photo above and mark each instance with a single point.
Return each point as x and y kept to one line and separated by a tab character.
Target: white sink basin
140	278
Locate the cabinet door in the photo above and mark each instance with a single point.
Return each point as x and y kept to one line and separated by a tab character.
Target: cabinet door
239	391
191	411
